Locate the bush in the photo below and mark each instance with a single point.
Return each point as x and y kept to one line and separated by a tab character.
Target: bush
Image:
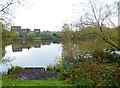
13	69
106	56
91	74
50	68
109	77
96	73
76	75
117	74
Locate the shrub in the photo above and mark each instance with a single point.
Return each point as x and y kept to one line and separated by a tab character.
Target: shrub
96	73
50	68
13	69
60	65
109	77
117	74
76	75
106	56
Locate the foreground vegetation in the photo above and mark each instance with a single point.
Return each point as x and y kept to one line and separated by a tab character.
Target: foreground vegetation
100	71
81	72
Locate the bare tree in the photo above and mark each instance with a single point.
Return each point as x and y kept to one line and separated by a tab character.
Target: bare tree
101	14
7	8
7	5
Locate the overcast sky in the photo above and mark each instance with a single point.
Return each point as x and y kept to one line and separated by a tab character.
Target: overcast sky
47	14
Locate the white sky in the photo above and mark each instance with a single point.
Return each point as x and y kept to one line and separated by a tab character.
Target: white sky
47	14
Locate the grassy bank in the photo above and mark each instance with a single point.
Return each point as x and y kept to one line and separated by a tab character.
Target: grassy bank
8	81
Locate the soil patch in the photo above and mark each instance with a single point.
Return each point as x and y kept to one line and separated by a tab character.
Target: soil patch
34	74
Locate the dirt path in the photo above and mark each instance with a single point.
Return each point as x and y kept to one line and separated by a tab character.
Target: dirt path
34	74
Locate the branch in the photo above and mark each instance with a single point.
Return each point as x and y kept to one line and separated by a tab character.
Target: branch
112	23
107	41
5	7
93	10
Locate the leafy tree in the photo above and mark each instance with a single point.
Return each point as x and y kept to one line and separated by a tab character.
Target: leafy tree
4	38
0	40
46	36
15	35
67	32
99	15
30	35
5	34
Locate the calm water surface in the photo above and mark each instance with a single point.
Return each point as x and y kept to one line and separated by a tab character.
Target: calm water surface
42	56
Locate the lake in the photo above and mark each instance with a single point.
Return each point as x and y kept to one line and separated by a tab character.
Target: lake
38	55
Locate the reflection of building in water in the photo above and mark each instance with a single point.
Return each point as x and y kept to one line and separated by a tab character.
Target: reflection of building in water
46	43
55	42
16	49
25	46
37	45
19	49
19	46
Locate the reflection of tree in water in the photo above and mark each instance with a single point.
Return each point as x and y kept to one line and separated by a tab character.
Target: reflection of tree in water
3	48
7	60
75	50
17	46
71	51
46	43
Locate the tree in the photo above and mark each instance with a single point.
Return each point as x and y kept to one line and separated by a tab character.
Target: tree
7	7
67	32
15	35
0	41
30	35
100	14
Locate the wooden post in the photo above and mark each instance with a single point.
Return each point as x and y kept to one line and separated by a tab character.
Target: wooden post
118	13
119	23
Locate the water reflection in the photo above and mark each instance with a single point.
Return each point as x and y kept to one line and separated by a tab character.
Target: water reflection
72	52
32	54
42	54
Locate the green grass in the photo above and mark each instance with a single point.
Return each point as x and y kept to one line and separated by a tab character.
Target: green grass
8	81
